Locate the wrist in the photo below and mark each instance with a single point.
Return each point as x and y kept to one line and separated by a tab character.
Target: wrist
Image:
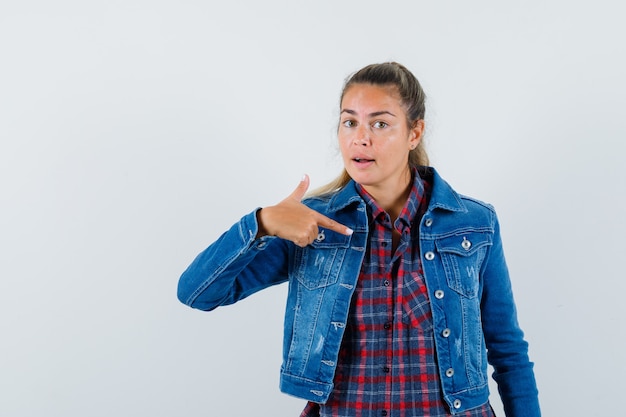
261	231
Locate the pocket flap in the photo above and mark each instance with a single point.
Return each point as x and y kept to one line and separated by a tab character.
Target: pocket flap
463	244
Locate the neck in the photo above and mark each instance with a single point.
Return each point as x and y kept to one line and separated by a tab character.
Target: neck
392	199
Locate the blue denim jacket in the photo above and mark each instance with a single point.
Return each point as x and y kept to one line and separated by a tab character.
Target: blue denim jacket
468	283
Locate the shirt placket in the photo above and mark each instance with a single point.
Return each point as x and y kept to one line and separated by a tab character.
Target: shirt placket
387	286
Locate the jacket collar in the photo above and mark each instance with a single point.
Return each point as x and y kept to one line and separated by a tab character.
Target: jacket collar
442	195
345	197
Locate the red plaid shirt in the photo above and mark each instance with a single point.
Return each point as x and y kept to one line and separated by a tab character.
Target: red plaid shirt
387	364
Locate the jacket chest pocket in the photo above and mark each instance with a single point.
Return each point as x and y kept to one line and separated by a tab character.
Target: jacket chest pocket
319	264
462	256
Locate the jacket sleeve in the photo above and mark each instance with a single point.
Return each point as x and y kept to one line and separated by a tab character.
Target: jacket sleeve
506	348
233	267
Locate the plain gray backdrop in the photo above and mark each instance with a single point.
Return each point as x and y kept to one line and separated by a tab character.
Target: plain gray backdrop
133	133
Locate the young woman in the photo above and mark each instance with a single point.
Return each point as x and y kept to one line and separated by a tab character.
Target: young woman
399	294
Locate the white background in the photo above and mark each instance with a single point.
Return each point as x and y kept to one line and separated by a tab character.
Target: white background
132	133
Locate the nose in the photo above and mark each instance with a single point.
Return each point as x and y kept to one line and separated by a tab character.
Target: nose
361	136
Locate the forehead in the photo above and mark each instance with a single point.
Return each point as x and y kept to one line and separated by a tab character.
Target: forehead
371	96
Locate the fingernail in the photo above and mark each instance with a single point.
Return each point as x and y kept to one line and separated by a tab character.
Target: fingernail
303	177
349	231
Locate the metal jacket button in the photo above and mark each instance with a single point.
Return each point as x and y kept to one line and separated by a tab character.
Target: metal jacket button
429	256
445	332
428	222
466	244
439	294
457	404
449	372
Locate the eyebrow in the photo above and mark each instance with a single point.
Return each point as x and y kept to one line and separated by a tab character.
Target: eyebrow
374	114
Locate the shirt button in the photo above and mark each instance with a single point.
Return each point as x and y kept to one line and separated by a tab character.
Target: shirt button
386	369
429	256
387	326
384	244
439	294
449	374
428	222
456	404
445	332
383	413
386	283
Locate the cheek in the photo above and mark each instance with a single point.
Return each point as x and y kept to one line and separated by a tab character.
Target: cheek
343	143
395	150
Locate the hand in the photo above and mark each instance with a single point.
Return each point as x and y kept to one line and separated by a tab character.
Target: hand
292	220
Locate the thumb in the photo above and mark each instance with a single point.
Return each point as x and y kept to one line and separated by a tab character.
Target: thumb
301	189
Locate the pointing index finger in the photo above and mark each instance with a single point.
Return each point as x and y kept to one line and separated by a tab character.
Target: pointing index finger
333	225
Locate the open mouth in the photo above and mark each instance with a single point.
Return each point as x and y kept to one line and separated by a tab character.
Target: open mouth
360	160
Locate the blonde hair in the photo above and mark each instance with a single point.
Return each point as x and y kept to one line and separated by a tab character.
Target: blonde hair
412	97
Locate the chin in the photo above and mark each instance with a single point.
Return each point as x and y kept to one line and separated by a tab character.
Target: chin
365	180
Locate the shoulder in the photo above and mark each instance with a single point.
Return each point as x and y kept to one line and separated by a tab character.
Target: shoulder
445	196
334	201
458	208
474	204
320	203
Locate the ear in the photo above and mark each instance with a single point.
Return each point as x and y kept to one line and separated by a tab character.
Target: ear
416	133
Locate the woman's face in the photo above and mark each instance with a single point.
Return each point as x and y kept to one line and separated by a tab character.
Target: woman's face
375	139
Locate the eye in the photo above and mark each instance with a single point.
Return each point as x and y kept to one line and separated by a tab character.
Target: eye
380	125
349	123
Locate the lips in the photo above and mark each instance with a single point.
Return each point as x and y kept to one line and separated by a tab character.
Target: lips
362	163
